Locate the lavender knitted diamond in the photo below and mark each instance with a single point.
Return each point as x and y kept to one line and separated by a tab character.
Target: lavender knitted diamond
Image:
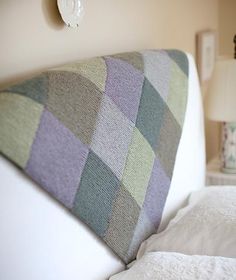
57	159
124	86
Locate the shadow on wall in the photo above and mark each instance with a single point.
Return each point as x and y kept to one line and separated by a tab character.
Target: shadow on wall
51	14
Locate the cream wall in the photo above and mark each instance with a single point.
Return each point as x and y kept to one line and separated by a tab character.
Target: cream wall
33	36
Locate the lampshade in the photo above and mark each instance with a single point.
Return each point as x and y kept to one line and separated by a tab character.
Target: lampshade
221	99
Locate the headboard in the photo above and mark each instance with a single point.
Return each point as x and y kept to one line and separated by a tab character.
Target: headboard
39	213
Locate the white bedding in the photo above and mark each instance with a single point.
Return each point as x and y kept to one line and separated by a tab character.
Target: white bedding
43	241
199	243
172	266
206	226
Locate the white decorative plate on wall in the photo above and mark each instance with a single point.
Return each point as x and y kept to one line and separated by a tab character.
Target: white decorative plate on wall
71	11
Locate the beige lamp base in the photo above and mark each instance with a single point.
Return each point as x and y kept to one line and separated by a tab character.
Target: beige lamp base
228	152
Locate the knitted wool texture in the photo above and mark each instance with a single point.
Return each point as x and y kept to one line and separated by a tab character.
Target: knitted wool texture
101	137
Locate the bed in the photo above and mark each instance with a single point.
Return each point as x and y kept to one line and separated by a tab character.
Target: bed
40	239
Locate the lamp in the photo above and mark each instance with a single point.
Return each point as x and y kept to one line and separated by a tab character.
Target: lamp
221	106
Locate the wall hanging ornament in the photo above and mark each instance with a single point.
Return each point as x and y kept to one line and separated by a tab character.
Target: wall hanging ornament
71	11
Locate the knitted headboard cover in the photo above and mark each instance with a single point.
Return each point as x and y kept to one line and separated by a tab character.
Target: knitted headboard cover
101	137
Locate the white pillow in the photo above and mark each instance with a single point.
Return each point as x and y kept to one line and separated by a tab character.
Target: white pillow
206	226
172	266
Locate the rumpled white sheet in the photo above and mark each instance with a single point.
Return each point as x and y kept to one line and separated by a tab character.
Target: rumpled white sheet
206	226
174	266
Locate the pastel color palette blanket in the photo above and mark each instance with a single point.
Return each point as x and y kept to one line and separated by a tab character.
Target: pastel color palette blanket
101	136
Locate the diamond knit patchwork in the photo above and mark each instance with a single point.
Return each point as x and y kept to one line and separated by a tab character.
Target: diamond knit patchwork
101	136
